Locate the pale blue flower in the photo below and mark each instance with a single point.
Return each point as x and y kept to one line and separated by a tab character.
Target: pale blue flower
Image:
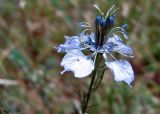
82	65
98	42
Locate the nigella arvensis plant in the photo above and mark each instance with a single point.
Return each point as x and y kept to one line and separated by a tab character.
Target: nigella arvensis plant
102	46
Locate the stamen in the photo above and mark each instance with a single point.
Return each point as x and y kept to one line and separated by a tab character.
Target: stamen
114	30
112	56
86	30
92	55
86	24
131	56
119	31
85	44
95	57
115	48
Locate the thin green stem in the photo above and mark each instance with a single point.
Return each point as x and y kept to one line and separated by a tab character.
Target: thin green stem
99	79
88	95
89	92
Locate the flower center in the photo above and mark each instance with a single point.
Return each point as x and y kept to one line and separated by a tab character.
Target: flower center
102	27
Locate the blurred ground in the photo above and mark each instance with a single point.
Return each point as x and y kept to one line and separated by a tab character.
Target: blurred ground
29	29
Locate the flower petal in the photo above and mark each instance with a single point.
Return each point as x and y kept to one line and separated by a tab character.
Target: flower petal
78	63
124	50
70	44
120	46
115	38
80	42
108	47
88	39
122	71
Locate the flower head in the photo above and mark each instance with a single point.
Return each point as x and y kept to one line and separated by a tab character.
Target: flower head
105	41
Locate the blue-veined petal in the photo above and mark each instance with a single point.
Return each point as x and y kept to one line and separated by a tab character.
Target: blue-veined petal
108	47
77	42
121	70
124	50
78	63
120	47
70	44
89	39
115	39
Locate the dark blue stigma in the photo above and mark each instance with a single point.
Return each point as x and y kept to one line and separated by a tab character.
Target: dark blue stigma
110	21
104	23
100	21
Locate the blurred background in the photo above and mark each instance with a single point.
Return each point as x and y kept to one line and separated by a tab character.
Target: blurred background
30	80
